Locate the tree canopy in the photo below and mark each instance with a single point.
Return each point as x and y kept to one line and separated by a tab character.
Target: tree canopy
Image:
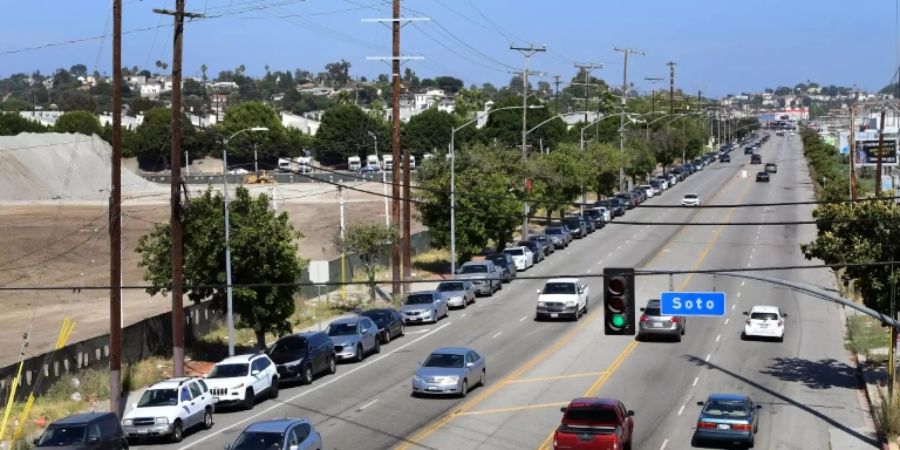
82	122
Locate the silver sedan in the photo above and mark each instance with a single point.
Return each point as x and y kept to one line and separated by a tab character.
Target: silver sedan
449	370
458	294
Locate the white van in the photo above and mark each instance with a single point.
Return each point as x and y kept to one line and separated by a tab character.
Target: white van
354	164
387	162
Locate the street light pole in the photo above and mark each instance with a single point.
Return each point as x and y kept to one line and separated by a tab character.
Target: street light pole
387	216
229	310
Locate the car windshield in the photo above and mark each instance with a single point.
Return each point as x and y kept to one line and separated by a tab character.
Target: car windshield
379	317
450	287
514	251
289	346
559	288
690	196
256	440
229	371
764	316
592	415
419	299
498	260
474	268
158	397
58	436
444	360
726	408
342	329
553	231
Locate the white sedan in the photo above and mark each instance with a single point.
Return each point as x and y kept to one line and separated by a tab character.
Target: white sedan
690	200
522	256
764	322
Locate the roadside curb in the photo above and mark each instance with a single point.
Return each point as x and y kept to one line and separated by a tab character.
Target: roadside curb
868	381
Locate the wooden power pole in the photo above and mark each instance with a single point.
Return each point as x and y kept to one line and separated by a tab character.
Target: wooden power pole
115	222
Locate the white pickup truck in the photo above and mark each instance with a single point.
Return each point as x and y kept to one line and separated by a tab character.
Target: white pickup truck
562	298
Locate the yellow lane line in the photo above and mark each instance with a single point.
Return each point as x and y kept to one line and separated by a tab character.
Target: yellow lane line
603	378
555	377
513	409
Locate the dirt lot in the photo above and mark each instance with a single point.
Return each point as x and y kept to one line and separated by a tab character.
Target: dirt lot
67	243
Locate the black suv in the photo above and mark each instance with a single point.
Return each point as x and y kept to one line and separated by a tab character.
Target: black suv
295	353
95	431
626	199
577	226
506	264
725	158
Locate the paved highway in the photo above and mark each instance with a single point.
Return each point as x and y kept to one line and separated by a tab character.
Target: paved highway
804	383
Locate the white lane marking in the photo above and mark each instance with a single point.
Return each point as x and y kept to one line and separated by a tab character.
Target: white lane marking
726	320
696	380
498	334
663	447
422	331
588	270
681	410
619	247
305	392
742	283
739	294
752	250
708	355
748	262
733	306
479	305
367	405
751	257
463	315
718	338
610	254
523	318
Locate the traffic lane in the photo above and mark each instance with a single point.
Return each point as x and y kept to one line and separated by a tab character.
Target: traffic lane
445	436
332	398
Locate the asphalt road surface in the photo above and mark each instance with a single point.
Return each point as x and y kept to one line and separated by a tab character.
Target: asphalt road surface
805	384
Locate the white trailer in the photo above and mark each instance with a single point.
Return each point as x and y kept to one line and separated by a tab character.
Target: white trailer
387	162
372	161
303	164
354	164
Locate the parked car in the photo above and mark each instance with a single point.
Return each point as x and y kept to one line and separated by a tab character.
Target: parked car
424	306
597	216
626	200
241	379
589	224
592	423
562	297
504	264
727	419
576	225
764	322
536	248
690	200
651	192
547	243
639	195
289	433
95	431
762	177
771	168
483	274
389	322
613	205
663	182
654	323
559	236
458	294
657	187
354	338
450	370
302	356
169	408
523	257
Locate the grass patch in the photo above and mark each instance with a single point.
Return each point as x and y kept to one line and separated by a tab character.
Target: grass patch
887	413
434	261
865	334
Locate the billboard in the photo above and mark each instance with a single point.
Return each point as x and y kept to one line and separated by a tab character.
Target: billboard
867	152
844	142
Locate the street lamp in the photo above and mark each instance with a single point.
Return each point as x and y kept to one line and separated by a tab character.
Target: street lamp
387	217
229	312
453	178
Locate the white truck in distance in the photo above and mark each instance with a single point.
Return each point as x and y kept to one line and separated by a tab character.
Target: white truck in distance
303	164
387	162
373	161
354	163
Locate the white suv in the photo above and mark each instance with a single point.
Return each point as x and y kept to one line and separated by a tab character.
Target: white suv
241	379
169	407
562	297
764	322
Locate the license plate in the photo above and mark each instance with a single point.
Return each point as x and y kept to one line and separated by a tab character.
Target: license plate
585	437
432	388
656	324
724	426
762	325
554	315
143	431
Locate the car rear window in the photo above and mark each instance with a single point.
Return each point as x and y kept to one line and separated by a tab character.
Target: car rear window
593	415
474	268
764	316
719	408
514	251
553	231
652	311
419	299
450	287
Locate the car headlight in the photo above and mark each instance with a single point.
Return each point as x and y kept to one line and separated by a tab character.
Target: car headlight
571	303
417	379
541	304
237	386
128	422
293	363
162	420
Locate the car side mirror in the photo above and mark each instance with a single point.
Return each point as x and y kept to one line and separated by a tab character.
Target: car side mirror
630	413
419	363
133	405
699	403
642	309
563	409
254	372
539	291
746	313
35	441
470	364
758	406
294	447
784	315
227	446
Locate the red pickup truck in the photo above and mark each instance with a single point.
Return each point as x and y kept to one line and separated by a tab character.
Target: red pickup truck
596	424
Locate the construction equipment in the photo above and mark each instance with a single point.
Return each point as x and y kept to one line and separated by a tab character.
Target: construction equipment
261	178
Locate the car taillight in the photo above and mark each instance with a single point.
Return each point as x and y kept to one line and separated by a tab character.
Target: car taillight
703	425
740	426
675	320
780	322
644	318
748	321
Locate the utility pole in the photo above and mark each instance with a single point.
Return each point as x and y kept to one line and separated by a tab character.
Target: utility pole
586	70
175	181
115	222
852	155
526	52
557	82
626	52
671	65
653	81
395	58
878	167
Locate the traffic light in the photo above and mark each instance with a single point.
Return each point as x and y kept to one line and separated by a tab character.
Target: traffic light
618	301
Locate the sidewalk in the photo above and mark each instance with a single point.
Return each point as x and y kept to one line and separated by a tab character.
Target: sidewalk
873	378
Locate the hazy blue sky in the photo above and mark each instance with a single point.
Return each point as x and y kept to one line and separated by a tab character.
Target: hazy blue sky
721	46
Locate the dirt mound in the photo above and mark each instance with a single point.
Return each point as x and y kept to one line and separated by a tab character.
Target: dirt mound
43	166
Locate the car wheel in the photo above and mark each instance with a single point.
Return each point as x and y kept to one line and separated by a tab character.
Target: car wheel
743	336
358	357
307	374
249	399
177	432
273	388
678	337
207	419
386	337
377	348
434	316
483	377
332	365
780	338
464	390
402	329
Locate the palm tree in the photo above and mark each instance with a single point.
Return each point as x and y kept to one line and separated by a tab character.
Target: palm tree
203	69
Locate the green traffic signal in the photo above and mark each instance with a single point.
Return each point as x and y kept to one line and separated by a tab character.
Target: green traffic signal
618	321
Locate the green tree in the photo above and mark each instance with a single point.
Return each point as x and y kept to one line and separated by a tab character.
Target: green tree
11	124
153	139
562	173
428	131
371	242
506	126
249	115
345	132
263	254
78	122
840	241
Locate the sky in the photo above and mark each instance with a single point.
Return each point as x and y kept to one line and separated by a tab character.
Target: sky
719	46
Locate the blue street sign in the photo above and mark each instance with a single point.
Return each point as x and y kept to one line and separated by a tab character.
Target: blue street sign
692	303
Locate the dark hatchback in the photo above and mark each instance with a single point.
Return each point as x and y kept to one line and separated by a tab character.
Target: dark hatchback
762	177
389	322
613	205
577	226
303	356
506	264
626	199
727	419
93	431
537	249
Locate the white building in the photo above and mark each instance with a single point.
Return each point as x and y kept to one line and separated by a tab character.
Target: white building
45	118
128	122
151	90
308	123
